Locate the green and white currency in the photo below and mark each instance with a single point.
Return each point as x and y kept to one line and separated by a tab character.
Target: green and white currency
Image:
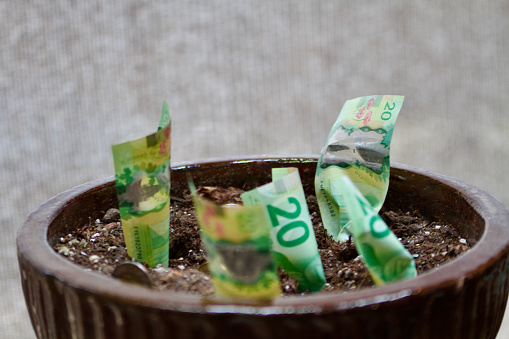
293	239
142	178
386	258
237	241
358	146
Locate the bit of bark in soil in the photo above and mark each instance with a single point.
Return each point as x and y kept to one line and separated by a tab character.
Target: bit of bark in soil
100	246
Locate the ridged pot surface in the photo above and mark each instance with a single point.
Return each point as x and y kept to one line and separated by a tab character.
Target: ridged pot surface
464	298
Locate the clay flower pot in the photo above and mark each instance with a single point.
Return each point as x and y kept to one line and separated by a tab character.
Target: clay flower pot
464	298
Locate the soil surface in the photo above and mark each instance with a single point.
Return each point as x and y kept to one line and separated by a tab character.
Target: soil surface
99	246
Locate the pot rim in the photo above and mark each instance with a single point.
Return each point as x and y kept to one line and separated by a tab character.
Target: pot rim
34	247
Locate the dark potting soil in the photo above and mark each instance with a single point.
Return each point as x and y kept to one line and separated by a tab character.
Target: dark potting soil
99	246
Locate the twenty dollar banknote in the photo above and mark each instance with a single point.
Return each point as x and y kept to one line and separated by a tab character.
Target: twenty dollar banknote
358	146
294	244
237	240
386	258
142	178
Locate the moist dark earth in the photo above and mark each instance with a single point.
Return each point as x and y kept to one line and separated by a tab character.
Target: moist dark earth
99	246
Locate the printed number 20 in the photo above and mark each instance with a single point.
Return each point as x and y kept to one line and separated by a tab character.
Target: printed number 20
387	114
274	212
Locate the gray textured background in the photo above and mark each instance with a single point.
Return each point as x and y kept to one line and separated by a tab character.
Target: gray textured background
241	77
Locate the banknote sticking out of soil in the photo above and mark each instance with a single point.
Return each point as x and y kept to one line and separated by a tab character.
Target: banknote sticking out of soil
99	245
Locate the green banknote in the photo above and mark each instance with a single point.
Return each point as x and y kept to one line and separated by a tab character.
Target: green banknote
358	146
142	179
386	258
293	239
237	241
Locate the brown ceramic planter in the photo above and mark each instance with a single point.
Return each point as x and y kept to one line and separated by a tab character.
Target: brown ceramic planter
464	298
